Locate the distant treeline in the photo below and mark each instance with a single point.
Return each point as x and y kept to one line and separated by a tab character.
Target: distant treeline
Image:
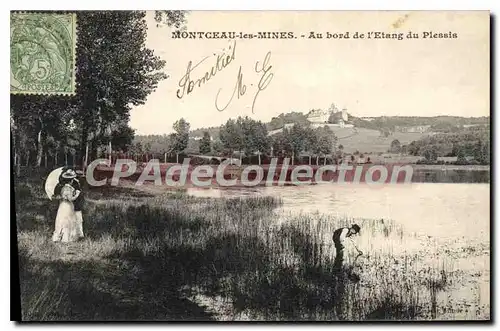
470	146
437	123
244	136
275	123
464	138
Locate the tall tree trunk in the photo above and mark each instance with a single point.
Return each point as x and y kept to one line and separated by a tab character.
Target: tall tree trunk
110	152
18	166
317	159
259	157
293	156
17	158
86	159
39	153
84	147
92	151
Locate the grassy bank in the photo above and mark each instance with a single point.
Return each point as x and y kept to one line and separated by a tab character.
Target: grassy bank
174	257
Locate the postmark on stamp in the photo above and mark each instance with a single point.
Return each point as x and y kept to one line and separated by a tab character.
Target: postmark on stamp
42	53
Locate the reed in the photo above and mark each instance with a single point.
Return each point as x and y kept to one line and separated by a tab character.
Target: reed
175	257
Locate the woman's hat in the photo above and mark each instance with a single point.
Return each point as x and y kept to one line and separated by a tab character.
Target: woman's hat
69	174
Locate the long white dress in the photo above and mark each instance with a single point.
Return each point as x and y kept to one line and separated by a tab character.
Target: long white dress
66	227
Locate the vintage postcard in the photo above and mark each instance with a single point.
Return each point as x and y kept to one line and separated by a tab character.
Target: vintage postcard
251	165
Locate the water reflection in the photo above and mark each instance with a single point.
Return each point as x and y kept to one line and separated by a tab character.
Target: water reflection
450	176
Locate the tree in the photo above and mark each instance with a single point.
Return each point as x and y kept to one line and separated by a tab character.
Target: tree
205	143
39	118
297	136
289	118
340	152
404	149
244	135
486	155
280	142
172	18
325	142
254	135
461	157
180	138
414	148
430	153
115	69
481	152
310	138
122	138
217	147
137	149
231	137
395	146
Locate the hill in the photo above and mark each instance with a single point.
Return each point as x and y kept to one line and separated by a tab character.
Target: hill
436	123
381	123
368	140
369	135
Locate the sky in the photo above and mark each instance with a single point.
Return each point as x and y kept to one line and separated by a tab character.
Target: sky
368	77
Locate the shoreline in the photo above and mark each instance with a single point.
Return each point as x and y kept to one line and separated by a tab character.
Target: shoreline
446	167
282	176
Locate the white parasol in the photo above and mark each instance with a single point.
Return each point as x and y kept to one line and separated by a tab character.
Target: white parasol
52	181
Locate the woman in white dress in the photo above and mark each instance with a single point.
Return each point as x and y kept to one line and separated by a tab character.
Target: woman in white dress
66	228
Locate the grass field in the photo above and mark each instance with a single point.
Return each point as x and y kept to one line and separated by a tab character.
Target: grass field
370	141
169	256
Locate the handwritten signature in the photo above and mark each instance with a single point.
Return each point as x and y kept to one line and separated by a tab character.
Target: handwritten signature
187	85
266	76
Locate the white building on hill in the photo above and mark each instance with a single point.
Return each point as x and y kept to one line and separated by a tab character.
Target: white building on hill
319	116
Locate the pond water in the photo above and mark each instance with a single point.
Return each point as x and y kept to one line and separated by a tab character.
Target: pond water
447	224
435	209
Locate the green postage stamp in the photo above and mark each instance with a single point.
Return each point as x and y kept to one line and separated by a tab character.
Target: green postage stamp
42	53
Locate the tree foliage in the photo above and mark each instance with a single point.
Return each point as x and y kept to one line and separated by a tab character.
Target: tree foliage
303	138
180	138
244	134
279	121
437	123
115	69
473	142
395	146
205	143
172	18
